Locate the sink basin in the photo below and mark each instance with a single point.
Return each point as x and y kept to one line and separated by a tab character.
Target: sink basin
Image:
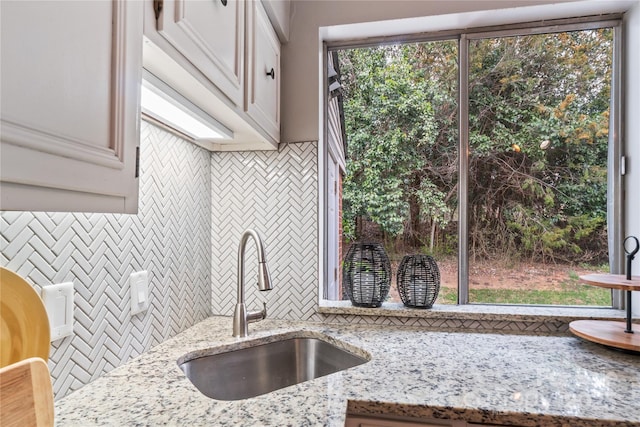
252	371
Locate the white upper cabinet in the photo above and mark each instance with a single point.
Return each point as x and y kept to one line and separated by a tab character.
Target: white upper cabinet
278	12
217	54
70	109
263	71
209	34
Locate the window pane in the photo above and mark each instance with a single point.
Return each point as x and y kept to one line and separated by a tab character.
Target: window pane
539	123
400	185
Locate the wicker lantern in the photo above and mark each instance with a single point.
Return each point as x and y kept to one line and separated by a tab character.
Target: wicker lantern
418	281
366	274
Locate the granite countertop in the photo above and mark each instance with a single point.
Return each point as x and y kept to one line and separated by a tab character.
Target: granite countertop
479	377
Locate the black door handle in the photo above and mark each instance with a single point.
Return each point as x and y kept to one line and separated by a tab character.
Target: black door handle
272	73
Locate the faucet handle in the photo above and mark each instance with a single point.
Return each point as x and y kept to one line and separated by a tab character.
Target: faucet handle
254	316
263	312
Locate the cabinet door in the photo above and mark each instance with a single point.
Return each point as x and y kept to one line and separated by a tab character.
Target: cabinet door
263	72
70	108
210	34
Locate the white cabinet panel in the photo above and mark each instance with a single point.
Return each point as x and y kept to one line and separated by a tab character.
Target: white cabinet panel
263	71
210	34
278	12
70	105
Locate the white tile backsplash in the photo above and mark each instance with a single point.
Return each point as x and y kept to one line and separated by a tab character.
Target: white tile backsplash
275	193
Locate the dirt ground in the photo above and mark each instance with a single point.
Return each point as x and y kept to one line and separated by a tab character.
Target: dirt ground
496	275
523	275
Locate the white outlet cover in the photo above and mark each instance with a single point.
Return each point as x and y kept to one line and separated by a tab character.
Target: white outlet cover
139	284
58	301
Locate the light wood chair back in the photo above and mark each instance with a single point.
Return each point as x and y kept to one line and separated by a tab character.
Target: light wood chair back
26	394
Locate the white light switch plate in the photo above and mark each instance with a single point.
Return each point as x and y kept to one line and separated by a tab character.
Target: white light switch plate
58	300
139	284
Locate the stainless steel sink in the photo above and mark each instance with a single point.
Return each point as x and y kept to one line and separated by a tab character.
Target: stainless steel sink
252	371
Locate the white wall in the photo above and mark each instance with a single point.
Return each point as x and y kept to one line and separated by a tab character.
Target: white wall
632	134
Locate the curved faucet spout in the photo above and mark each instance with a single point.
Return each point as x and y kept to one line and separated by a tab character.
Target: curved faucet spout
241	318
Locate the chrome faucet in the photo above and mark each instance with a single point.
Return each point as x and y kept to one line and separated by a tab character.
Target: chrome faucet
242	318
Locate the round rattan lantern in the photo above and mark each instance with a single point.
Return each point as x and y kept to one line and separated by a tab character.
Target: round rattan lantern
366	274
418	281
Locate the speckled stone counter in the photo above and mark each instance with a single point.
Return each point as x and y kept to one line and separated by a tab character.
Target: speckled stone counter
479	377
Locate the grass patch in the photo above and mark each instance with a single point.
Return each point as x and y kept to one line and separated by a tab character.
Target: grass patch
569	294
447	296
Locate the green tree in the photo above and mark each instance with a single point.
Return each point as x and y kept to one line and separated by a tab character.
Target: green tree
538	119
539	134
388	117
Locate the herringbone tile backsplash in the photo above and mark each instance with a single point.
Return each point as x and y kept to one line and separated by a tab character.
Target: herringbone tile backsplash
169	237
276	194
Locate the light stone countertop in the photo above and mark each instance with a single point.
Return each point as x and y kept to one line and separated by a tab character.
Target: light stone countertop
479	377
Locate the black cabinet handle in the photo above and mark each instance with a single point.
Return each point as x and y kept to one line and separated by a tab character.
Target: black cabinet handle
272	73
224	2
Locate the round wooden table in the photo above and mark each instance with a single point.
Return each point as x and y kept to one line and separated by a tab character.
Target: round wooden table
611	333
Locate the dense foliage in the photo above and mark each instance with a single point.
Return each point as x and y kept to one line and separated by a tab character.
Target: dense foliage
538	129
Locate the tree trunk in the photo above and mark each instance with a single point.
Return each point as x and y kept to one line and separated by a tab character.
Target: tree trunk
412	234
